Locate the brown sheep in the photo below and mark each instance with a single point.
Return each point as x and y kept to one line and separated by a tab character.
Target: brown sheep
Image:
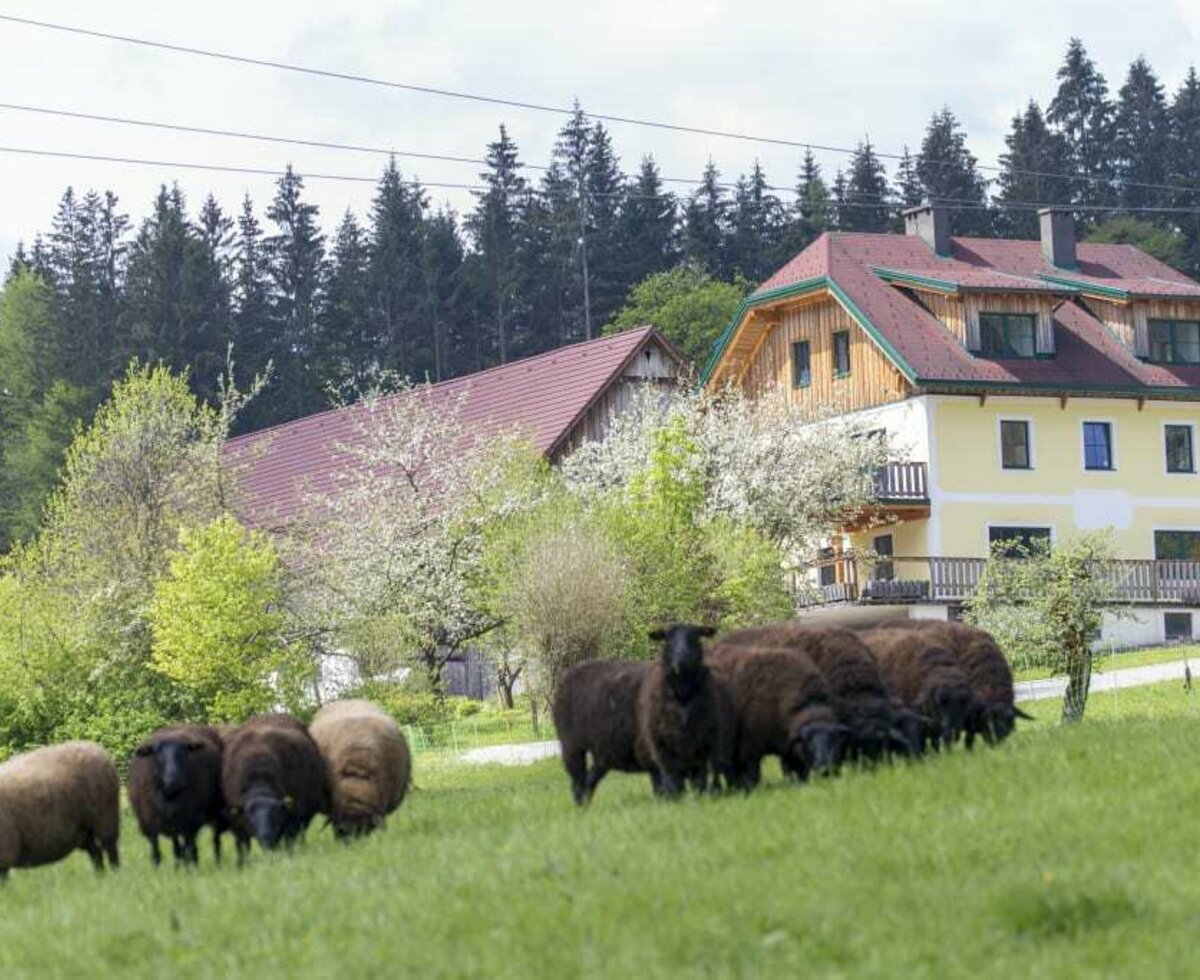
175	789
274	782
55	800
926	677
987	670
595	715
368	762
782	707
685	713
859	691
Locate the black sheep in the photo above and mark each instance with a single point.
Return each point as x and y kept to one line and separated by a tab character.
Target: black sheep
685	714
595	715
175	789
782	707
987	670
927	678
274	781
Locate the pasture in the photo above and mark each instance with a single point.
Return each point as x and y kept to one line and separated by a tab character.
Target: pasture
1062	852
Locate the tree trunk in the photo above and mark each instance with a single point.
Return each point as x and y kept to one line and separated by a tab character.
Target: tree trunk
1079	680
504	690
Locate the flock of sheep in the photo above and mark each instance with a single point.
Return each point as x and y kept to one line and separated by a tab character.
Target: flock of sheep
264	780
815	697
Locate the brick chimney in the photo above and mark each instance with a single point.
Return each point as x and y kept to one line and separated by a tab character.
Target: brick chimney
1058	237
930	223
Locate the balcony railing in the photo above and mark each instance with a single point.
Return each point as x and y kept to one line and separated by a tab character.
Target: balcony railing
848	578
902	483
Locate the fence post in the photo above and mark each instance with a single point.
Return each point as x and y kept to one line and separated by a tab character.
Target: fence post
533	717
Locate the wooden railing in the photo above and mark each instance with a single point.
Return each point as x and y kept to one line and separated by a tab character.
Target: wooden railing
902	482
850	578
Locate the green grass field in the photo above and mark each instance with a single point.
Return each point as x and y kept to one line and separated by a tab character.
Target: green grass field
1126	658
1064	852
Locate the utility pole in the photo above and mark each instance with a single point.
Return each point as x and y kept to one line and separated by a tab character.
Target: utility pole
587	297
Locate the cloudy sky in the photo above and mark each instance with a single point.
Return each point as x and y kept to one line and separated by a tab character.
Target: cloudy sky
828	73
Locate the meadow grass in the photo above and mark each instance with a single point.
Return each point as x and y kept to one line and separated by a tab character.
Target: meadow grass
1063	852
1119	660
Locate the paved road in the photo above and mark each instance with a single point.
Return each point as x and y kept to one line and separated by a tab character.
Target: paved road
1110	680
1054	687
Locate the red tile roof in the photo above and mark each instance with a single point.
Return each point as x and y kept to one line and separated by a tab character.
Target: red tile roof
543	397
982	279
1088	356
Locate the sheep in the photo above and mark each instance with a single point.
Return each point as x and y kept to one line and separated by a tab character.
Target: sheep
274	782
56	799
175	789
782	707
595	715
685	714
926	677
859	691
987	670
368	763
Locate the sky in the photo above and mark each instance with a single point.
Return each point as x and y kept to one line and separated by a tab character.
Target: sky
829	73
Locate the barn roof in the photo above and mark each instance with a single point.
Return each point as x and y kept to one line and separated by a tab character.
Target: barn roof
543	397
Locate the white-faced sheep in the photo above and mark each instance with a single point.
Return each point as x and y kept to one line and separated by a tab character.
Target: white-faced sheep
368	762
175	789
56	800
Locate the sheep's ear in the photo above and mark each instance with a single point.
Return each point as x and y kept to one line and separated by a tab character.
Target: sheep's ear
1018	713
145	749
657	634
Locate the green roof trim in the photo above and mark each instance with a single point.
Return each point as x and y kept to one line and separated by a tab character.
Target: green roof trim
903	278
1095	289
801	288
1182	392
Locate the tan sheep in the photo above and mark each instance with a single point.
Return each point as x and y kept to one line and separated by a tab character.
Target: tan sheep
368	762
55	800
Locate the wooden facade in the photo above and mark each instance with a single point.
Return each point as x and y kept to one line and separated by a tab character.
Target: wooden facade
1130	319
872	379
959	313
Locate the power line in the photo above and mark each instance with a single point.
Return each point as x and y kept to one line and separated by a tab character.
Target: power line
535	106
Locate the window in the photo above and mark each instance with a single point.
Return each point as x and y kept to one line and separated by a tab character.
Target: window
841	353
1181	457
885	570
1014	445
1018	539
1177	545
801	364
827	569
1097	446
1007	334
1175	341
1177	627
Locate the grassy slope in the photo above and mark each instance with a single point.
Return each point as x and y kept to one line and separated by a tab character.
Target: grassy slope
1062	852
1119	661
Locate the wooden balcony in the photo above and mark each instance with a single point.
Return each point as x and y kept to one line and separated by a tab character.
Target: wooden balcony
901	580
902	483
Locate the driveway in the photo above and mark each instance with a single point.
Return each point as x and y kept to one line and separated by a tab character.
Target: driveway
1112	680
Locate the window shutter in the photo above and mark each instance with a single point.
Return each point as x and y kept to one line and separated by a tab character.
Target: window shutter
1141	334
1044	343
973	341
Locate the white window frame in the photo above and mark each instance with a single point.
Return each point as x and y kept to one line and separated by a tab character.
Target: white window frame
1000	420
1112	445
1183	424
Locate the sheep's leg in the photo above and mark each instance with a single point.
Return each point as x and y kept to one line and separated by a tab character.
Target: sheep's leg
576	765
672	785
751	773
155	850
217	846
179	849
594	776
95	853
114	855
190	854
243	849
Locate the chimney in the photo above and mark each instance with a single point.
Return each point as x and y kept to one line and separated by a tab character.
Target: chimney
1058	237
930	223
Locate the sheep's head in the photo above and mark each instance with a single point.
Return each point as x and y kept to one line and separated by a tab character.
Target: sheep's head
266	812
821	745
682	652
171	756
951	709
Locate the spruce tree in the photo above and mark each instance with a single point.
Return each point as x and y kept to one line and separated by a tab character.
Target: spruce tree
1141	139
648	217
812	212
604	191
909	190
1081	112
705	223
1031	171
253	337
345	357
444	286
948	173
565	189
296	265
864	201
400	331
757	223
1185	163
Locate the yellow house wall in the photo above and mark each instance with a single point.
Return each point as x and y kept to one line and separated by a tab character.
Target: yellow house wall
971	490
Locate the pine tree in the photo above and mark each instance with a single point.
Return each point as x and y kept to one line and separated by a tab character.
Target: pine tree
648	218
812	213
564	187
949	173
604	192
345	358
757	223
864	201
444	275
1141	138
909	190
1081	112
296	265
253	336
400	329
176	304
1030	172
705	223
1185	163
841	211
494	228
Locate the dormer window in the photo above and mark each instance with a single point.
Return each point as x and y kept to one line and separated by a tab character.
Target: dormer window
1008	334
1175	341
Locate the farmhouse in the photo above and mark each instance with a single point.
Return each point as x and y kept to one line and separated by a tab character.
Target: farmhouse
1033	388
